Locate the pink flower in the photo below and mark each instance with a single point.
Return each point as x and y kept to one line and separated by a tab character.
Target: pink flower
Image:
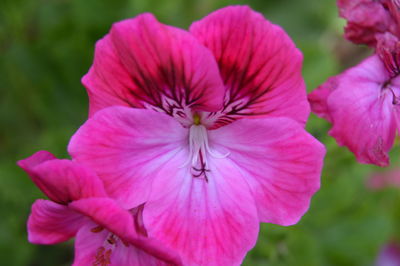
389	255
215	141
381	180
363	103
80	207
366	18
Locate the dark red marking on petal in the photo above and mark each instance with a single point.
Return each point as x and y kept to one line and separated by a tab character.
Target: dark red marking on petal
137	214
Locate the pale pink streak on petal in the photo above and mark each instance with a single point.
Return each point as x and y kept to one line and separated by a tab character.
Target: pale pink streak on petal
280	162
128	148
51	223
362	112
142	62
208	223
259	63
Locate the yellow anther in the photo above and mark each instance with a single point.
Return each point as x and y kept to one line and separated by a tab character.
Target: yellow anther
196	119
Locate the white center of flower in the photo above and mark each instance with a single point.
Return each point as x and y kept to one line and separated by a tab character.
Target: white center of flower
199	150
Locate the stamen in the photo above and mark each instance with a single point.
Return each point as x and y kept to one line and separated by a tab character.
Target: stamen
199	149
97	229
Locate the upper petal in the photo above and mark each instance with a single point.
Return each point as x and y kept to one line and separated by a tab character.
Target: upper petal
260	65
208	223
362	112
62	180
128	148
280	162
142	62
51	223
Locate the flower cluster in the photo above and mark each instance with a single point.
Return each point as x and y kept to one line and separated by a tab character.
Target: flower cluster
193	138
363	103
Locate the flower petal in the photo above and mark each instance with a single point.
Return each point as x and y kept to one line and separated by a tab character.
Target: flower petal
209	223
142	62
365	18
279	160
128	148
64	181
362	112
106	213
260	65
109	215
88	250
51	223
319	97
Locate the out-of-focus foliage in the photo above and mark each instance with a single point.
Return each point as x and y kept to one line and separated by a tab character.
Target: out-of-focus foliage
46	46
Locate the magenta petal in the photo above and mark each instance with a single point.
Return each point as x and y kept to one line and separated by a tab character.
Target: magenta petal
208	223
51	223
39	157
319	97
142	62
128	148
109	215
365	18
363	113
64	181
89	245
106	213
260	65
279	160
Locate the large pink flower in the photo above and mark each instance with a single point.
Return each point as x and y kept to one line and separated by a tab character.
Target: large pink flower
215	141
80	207
363	103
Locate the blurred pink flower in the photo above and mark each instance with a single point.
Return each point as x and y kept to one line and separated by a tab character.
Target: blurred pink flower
206	175
362	103
366	18
384	179
80	207
389	255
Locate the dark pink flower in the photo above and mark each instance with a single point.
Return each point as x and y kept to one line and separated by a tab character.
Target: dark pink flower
366	18
215	142
363	103
79	206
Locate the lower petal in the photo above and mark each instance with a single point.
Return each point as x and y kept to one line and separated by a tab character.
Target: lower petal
51	223
208	223
280	162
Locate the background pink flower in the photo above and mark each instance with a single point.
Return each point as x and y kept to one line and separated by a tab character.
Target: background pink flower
80	207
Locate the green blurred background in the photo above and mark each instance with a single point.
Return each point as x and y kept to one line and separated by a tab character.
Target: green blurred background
46	46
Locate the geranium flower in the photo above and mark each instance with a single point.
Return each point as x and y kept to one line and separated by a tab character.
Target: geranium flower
206	127
366	18
80	207
362	103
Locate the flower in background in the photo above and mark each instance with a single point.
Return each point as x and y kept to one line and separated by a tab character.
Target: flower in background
362	103
205	127
382	180
366	18
389	255
79	206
